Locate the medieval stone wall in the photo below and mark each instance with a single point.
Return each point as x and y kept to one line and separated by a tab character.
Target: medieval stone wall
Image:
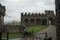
28	18
12	28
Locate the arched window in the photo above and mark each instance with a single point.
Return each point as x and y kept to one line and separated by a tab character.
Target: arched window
44	22
38	21
51	20
32	21
26	21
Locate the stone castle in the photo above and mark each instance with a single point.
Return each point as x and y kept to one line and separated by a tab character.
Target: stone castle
38	18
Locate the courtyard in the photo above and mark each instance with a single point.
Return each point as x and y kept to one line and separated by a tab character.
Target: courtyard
39	25
35	30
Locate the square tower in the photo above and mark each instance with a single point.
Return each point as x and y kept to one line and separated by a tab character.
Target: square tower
57	8
2	14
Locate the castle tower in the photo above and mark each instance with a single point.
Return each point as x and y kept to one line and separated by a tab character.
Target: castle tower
57	4
2	14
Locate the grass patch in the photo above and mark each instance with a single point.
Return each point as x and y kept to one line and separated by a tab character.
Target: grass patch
13	35
30	28
36	29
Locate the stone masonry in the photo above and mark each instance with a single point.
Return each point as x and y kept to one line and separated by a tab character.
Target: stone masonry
57	8
28	18
2	14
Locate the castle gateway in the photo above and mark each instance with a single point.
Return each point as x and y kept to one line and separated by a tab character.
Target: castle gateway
38	18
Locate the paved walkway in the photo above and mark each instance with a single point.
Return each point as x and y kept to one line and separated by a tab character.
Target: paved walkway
51	32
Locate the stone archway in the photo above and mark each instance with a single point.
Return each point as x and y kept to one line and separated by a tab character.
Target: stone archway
38	21
51	20
32	21
26	21
44	21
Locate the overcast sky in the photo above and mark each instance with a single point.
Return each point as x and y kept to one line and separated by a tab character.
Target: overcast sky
15	7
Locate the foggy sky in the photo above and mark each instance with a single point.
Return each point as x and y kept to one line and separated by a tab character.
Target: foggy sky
15	7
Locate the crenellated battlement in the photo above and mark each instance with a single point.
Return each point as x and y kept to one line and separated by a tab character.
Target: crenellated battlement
47	12
37	18
2	10
28	13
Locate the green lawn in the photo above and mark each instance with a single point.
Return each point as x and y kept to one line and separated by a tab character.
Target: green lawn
13	35
36	29
30	28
